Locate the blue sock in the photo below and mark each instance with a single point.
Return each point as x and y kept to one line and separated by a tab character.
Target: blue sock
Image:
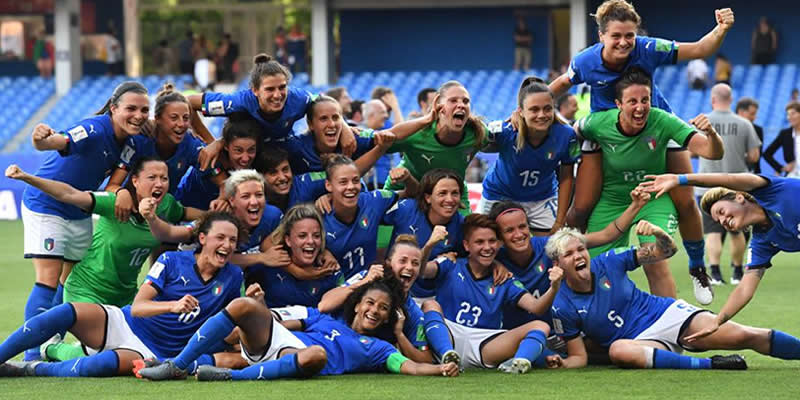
100	365
284	367
695	249
205	359
783	345
39	301
211	332
663	359
37	330
437	333
58	298
541	361
531	346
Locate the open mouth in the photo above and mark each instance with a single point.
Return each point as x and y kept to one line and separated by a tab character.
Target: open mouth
406	277
157	194
580	265
309	251
639	118
221	256
728	223
449	208
253	212
372	318
282	186
350	194
487	253
460	116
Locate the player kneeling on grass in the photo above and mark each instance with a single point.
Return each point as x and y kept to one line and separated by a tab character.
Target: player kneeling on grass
470	305
641	330
183	289
320	344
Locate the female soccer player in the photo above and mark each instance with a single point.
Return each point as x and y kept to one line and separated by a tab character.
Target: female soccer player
524	255
601	66
633	141
284	189
57	235
318	345
181	291
108	272
740	201
641	330
172	142
535	166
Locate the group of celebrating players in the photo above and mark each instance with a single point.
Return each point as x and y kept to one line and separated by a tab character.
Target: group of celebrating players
265	242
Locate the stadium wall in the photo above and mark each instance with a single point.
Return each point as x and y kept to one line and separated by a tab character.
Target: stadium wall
438	39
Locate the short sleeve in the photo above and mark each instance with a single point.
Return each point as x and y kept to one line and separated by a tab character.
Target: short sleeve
103	204
624	257
395	214
196	146
133	150
356	278
573	152
657	51
363	144
676	128
445	267
219	104
82	137
157	276
574	71
170	209
385	198
516	289
760	253
585	127
566	323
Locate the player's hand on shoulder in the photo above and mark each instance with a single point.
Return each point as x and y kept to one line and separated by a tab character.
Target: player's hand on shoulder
148	129
401	321
186	304
275	256
323	203
500	273
328	261
219	205
209	155
514	119
347	140
14	172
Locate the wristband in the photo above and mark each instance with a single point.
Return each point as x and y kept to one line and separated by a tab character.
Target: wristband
683	180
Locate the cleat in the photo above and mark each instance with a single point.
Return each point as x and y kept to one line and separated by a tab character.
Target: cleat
53	340
210	373
162	372
146	363
736	277
26	368
451	356
732	361
716	276
702	286
515	366
9	370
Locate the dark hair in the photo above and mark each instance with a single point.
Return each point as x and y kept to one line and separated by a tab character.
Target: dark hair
332	161
429	181
503	206
241	126
311	110
355	107
380	91
633	76
121	89
530	85
137	168
476	221
562	99
269	160
265	65
615	10
422	95
745	103
167	95
204	223
402	239
793	105
336	93
389	285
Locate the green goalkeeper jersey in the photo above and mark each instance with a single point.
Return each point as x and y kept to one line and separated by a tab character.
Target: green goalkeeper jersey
627	159
109	271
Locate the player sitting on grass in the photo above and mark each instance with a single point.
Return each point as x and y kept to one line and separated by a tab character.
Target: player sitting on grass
320	344
641	330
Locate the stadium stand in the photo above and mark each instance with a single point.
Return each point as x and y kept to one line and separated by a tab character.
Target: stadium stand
17	112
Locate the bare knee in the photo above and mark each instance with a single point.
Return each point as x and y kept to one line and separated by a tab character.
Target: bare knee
538	326
431	305
312	359
245	306
229	360
625	354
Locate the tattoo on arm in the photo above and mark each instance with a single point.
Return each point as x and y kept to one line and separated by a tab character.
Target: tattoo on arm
663	248
723	317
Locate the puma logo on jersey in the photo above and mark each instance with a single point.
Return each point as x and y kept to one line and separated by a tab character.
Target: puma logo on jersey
583	311
184	280
427	158
91	128
230	105
613	147
413	229
280	277
460	275
331	234
25	327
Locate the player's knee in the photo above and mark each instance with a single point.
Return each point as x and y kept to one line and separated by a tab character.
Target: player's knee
244	306
622	353
538	326
431	305
230	360
312	359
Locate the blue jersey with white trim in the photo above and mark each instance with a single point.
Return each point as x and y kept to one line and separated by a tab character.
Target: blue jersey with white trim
307	188
354	245
530	174
186	155
196	189
475	303
173	276
304	156
777	198
281	289
297	102
91	154
534	276
648	54
614	309
269	221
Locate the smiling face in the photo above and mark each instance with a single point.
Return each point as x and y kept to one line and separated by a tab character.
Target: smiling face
444	198
730	213
618	41
482	247
538	111
151	181
406	261
372	311
279	179
456	108
219	243
174	121
271	93
326	124
569	107
344	184
574	259
304	240
130	112
634	108
248	202
241	152
514	231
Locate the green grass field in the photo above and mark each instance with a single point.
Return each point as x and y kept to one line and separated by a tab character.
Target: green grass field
774	306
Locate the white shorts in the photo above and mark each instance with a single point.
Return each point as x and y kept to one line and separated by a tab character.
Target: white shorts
50	236
280	338
469	341
119	335
289	313
541	214
669	327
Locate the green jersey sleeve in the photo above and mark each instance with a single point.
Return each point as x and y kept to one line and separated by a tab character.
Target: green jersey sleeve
674	127
395	361
104	204
170	209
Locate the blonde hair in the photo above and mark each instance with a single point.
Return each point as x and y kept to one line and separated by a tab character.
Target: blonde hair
615	10
555	245
239	177
720	193
474	120
293	216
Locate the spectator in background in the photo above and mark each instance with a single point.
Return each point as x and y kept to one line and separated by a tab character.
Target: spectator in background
722	70
355	116
584	98
747	108
523	39
163	58
424	100
223	60
232	56
185	59
43	55
279	46
296	46
114	58
387	96
376	117
567	107
345	101
786	141
764	43
795	96
697	74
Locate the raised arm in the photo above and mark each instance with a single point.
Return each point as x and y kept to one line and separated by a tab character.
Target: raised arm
161	230
613	231
335	298
743	182
708	146
412	126
739	298
45	138
663	248
410	184
199	128
709	44
541	305
383	140
58	190
560	85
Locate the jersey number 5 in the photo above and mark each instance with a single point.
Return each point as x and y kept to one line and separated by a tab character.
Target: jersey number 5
616	319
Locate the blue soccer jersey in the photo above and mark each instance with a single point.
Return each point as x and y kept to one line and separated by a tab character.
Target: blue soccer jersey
281	289
91	154
269	221
475	303
186	155
530	174
648	54
614	309
534	276
354	245
407	218
347	350
304	156
777	198
196	189
297	102
307	188
175	275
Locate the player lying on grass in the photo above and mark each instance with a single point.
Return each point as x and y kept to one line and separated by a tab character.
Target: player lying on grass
742	201
182	290
319	345
641	330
